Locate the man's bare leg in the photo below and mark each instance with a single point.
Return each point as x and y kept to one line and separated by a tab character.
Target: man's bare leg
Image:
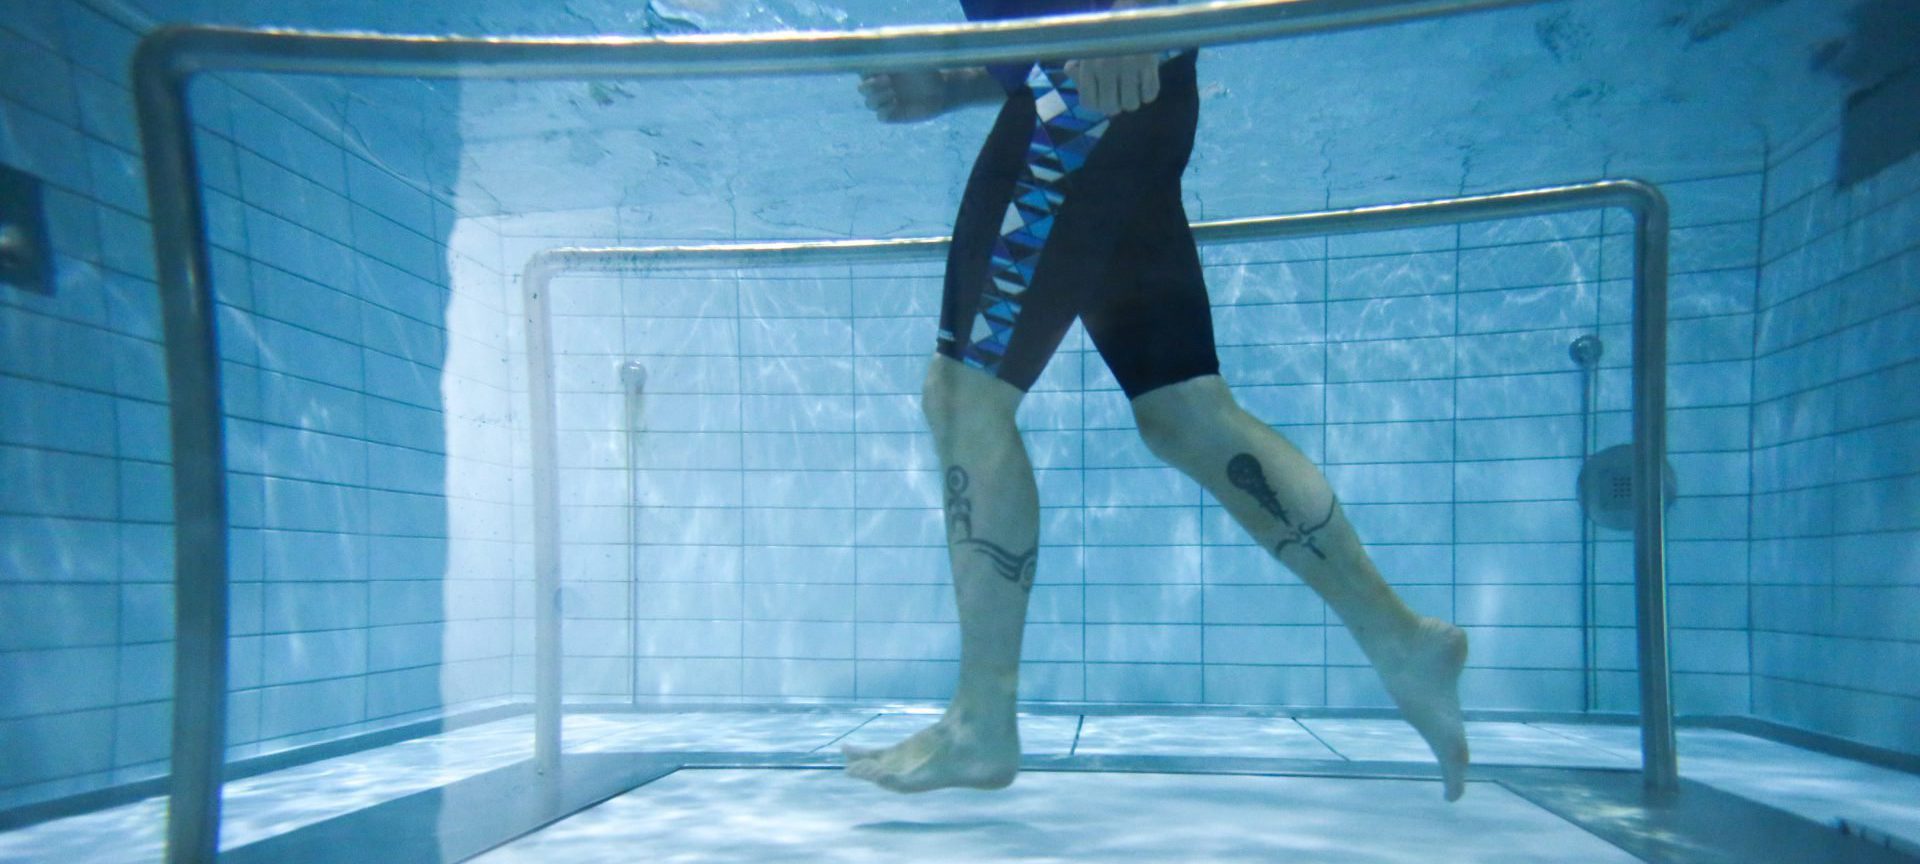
1274	492
993	527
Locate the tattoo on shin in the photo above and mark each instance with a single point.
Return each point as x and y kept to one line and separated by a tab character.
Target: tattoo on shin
1014	567
959	506
1244	472
1017	569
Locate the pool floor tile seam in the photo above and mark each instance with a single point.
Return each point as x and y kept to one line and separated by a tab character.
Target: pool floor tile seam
857	727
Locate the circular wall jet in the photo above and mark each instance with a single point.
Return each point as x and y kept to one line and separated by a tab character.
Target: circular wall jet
1606	487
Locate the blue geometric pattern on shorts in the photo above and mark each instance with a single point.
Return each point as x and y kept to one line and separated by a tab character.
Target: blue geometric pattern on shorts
1064	135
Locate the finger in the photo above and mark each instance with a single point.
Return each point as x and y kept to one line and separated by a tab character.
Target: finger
1128	94
1089	83
1103	83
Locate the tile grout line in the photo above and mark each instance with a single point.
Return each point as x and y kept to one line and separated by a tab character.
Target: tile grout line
1588	743
1323	742
842	736
1326	397
1753	407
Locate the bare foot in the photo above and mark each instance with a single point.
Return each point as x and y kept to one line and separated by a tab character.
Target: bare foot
976	755
1422	674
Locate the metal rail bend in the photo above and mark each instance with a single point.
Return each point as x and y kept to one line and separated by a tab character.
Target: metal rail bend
1642	200
167	59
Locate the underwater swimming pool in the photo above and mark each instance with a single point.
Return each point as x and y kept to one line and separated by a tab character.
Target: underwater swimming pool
748	504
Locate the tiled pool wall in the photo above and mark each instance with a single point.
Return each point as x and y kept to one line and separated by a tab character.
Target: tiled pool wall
1836	450
83	466
367	402
789	530
369	430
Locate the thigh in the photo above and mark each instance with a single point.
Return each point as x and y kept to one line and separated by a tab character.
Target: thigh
1152	322
1150	318
1047	205
996	314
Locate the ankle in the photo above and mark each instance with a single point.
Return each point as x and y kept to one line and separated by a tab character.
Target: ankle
974	707
1391	637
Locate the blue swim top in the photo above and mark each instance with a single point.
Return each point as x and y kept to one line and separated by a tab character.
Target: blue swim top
1013	76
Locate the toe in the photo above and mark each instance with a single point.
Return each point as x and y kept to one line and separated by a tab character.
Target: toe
1454	771
852	753
896	783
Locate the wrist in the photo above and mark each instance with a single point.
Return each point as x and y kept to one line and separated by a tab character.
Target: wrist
968	85
951	81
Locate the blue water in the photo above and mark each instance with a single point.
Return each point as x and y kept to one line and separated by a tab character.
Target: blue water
762	525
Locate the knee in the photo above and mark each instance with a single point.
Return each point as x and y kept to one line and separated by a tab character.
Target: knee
1167	435
962	403
1177	421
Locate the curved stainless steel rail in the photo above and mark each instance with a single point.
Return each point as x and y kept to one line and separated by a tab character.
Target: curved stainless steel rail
167	59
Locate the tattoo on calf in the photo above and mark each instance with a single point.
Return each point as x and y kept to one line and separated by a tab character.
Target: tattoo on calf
1244	472
1304	536
1014	567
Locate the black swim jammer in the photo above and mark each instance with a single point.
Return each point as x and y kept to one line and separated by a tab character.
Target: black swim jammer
1069	212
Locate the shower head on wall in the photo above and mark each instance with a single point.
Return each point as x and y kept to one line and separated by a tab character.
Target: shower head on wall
633	376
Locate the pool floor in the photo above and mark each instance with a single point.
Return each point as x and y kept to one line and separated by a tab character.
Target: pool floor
820	815
815	812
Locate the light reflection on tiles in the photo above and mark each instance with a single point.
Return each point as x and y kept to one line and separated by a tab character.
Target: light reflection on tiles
267	805
1270	737
1040	734
716	815
782	732
1814	785
1491	743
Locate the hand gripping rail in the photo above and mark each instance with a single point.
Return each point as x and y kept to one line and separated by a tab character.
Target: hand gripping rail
166	60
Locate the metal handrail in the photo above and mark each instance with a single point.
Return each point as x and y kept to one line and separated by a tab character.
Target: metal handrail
178	51
167	59
1643	200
